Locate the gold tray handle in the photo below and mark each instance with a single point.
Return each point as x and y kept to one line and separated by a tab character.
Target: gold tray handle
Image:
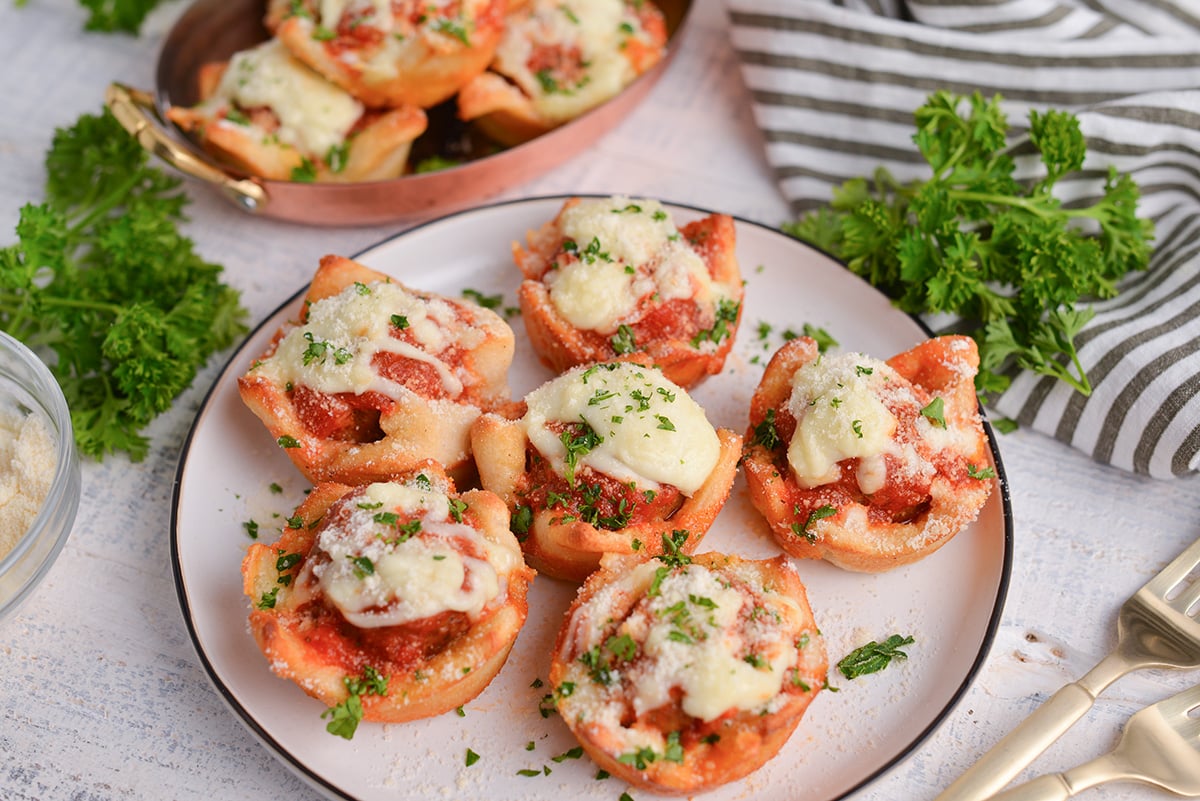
135	110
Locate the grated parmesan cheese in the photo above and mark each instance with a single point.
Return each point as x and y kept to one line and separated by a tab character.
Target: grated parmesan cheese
27	465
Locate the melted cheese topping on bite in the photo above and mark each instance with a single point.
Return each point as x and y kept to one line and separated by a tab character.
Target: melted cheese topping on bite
376	13
314	115
379	575
333	351
651	432
694	638
628	249
597	29
843	409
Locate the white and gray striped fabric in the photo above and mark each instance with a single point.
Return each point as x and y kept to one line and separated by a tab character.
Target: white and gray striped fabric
834	85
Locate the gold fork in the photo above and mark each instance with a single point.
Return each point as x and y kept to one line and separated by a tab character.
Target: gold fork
1160	746
1155	628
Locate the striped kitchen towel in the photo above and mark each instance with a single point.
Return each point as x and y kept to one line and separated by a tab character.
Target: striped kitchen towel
833	88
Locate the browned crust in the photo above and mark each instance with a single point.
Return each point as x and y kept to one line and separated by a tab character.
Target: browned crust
504	111
572	550
943	366
562	346
746	740
443	681
428	68
414	428
377	152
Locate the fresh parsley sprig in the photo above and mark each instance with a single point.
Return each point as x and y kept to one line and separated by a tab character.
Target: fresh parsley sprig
1007	257
102	276
874	656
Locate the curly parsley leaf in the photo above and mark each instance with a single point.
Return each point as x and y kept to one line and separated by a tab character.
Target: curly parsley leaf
1007	257
102	276
873	657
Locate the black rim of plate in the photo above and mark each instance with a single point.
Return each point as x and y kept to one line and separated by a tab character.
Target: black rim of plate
315	780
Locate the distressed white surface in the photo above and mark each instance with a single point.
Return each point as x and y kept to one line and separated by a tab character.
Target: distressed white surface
101	693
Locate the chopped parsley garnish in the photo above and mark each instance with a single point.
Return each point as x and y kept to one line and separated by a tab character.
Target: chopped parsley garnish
251	527
980	472
486	301
623	341
345	717
765	433
363	566
726	315
574	753
457	507
453	28
237	117
287	442
578	442
435	163
522	519
936	412
820	513
305	173
275	488
337	157
287	561
267	601
873	657
399	321
819	335
472	757
664	422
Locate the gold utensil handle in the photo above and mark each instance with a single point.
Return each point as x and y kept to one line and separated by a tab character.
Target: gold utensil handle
1021	746
136	112
1070	783
1045	788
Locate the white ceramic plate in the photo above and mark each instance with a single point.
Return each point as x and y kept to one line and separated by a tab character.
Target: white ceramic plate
950	602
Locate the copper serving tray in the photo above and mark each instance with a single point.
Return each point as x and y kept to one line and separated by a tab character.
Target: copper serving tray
213	30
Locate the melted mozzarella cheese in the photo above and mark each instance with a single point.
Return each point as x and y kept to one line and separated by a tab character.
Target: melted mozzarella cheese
594	28
333	352
628	249
653	432
840	415
698	641
376	576
314	115
378	13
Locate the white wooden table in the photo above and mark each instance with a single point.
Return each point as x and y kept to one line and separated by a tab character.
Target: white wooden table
102	694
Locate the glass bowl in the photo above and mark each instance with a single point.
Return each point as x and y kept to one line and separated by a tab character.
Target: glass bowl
27	385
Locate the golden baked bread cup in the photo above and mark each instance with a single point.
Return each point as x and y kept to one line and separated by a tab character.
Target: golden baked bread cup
391	54
376	377
404	594
612	276
868	464
273	117
679	675
606	459
558	59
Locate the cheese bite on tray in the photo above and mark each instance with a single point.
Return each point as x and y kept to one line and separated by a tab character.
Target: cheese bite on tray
865	463
558	59
275	118
613	276
391	52
680	674
405	591
376	377
606	459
